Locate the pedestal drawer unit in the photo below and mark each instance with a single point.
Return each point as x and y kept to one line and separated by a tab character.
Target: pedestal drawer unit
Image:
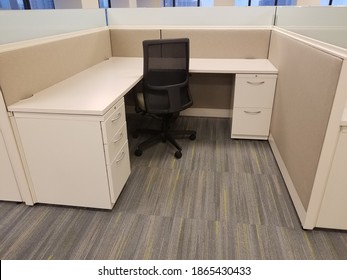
79	160
252	105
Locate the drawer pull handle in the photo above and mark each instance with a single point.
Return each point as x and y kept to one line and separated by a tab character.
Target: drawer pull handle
255	83
121	157
119	138
252	113
117	117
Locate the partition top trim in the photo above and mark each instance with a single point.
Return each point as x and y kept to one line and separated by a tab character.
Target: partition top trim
205	27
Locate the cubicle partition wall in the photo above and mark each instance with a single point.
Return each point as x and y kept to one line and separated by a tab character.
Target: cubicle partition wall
305	93
29	69
218	32
310	98
212	93
28	66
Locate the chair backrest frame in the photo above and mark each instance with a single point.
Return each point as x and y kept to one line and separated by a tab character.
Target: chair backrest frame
166	75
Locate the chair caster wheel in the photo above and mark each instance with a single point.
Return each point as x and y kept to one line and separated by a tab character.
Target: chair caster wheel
138	152
192	136
178	154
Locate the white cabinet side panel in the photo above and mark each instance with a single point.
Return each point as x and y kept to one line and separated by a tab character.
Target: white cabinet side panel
66	161
8	184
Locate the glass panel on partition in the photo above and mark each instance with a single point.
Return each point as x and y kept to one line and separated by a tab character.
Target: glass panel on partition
11	5
326	24
181	3
30	24
339	2
188	3
194	16
333	2
265	2
41	4
26	4
206	3
324	2
104	4
241	2
286	2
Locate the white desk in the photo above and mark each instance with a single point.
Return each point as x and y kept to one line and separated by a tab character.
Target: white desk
74	134
231	66
91	92
253	93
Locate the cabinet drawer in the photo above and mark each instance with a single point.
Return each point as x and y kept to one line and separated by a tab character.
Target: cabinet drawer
118	172
251	121
115	144
254	90
114	122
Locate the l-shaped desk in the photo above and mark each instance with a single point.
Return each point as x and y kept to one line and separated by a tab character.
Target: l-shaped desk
73	134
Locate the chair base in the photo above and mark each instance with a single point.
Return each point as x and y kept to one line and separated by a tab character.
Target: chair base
163	136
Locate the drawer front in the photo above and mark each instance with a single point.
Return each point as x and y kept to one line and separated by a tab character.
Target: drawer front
115	144
254	90
251	121
118	172
113	123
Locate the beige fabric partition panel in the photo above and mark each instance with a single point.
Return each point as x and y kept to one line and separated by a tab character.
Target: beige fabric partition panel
25	71
304	96
128	42
215	91
212	90
224	43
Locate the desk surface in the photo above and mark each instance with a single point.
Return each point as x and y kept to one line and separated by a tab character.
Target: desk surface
231	66
95	90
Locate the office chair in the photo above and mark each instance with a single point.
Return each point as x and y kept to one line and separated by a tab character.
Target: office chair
165	90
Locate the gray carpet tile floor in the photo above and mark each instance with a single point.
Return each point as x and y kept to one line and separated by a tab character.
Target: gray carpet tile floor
224	199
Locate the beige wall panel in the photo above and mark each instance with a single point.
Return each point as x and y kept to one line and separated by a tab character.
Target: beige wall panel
224	43
28	70
128	42
211	91
306	86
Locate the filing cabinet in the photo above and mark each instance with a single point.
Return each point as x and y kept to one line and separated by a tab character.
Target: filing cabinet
252	105
75	159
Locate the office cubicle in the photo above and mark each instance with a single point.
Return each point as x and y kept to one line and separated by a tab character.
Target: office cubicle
288	45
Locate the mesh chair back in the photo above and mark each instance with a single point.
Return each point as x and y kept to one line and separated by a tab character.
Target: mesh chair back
166	75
